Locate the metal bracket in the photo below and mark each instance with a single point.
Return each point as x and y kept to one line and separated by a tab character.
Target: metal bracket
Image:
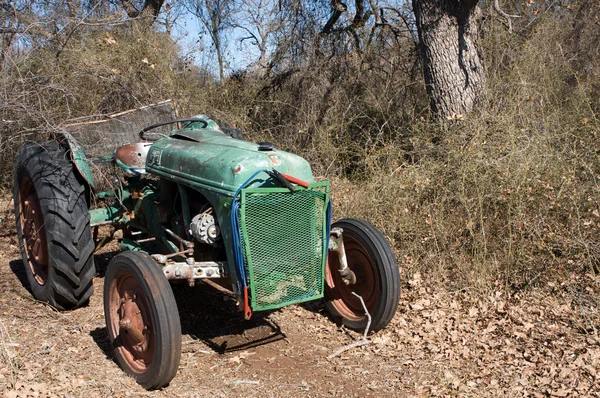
336	244
193	271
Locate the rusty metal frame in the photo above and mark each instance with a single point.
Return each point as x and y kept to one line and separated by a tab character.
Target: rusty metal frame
336	244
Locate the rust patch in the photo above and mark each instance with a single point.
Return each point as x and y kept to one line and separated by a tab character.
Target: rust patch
133	321
133	155
34	233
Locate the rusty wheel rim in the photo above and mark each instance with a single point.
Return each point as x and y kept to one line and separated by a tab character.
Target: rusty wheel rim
131	322
31	222
367	282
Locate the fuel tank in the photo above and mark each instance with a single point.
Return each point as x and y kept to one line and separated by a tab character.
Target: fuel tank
208	159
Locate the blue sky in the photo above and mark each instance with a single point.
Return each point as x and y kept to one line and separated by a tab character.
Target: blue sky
237	55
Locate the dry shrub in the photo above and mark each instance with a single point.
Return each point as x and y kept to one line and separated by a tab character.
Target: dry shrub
100	70
339	111
508	195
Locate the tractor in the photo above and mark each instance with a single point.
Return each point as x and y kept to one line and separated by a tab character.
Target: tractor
193	205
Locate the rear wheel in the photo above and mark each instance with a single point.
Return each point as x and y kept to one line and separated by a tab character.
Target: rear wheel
142	319
53	226
371	259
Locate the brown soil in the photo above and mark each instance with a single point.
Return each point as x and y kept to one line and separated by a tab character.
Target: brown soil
540	342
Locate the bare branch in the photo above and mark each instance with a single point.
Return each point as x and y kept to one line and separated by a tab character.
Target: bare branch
11	30
359	20
505	15
153	6
338	9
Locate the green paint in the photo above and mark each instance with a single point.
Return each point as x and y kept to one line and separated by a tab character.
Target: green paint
212	125
119	193
216	165
128	244
78	157
108	213
285	260
211	160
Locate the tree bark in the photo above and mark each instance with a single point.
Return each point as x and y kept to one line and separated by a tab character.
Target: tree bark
452	62
217	42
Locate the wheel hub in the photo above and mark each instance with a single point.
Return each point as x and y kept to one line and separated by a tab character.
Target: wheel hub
34	233
133	323
366	285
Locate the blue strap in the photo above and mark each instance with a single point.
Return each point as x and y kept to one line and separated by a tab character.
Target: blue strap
237	233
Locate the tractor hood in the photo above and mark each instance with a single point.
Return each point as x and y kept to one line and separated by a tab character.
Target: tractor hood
209	159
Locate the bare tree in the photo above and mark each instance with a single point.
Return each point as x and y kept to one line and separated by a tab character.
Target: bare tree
215	16
260	21
362	14
171	15
449	31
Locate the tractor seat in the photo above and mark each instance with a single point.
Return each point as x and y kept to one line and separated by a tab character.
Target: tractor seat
132	157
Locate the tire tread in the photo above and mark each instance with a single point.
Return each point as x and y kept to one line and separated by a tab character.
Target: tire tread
70	246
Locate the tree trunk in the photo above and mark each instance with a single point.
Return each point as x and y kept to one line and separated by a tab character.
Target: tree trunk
453	68
217	42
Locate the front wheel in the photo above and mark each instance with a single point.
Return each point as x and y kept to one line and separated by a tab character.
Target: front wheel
142	319
371	259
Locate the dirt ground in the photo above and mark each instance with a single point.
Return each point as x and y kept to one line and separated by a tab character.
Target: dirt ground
540	342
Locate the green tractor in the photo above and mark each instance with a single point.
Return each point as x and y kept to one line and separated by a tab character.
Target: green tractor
193	205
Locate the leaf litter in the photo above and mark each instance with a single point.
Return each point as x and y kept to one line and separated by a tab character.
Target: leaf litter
540	342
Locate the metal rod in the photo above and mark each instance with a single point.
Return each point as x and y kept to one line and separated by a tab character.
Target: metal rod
187	243
145	240
97	224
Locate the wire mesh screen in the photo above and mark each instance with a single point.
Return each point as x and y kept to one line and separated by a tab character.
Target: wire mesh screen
100	135
284	243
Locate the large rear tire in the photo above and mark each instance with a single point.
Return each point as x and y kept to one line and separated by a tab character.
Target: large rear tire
371	259
53	226
142	319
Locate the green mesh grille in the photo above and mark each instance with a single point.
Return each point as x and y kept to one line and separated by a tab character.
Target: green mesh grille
283	236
